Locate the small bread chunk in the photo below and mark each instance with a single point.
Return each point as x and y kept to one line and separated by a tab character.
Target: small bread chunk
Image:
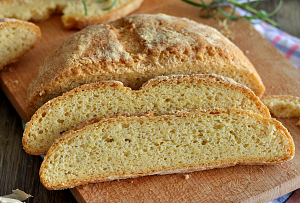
133	146
16	39
283	106
135	49
161	95
74	15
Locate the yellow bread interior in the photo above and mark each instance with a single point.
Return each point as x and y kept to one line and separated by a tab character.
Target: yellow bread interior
131	146
16	39
161	95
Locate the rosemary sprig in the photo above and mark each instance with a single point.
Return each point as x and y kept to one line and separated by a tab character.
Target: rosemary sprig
100	1
219	4
84	6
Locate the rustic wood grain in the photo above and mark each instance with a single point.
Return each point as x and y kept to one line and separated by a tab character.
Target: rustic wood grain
240	183
19	170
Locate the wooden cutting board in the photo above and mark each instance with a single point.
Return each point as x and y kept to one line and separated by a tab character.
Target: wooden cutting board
233	184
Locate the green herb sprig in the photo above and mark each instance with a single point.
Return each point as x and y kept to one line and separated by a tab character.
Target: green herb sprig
250	8
100	1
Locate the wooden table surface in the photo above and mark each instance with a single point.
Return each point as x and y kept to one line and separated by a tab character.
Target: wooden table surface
19	170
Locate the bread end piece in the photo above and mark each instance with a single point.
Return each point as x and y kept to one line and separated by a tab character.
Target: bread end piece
283	106
17	38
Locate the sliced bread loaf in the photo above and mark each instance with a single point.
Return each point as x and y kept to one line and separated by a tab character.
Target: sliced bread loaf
283	106
135	49
74	15
161	95
131	146
16	39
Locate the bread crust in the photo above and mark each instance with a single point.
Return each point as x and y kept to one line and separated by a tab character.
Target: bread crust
7	23
63	140
135	49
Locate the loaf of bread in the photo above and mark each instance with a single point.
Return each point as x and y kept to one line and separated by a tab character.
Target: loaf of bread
16	39
161	95
135	49
131	146
74	15
283	106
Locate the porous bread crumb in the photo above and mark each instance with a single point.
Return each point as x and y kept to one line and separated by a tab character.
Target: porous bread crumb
161	95
186	176
283	106
16	39
178	143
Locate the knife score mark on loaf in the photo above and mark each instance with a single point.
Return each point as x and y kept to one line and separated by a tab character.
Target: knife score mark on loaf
161	95
135	49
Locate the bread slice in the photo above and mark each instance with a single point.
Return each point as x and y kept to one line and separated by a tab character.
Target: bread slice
161	95
133	146
74	15
16	39
283	106
135	49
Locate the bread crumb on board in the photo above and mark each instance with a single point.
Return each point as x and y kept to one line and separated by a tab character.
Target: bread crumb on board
186	176
283	106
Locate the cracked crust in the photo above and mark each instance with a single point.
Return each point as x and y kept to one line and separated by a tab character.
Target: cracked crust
135	49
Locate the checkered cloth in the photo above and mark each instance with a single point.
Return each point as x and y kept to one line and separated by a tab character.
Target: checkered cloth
289	46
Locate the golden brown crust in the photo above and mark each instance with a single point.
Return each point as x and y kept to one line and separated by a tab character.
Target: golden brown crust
135	49
8	23
63	140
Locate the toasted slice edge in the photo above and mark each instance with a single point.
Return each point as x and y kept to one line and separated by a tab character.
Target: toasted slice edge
161	95
16	39
133	146
283	106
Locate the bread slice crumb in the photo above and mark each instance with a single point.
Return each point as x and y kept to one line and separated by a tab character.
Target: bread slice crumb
16	39
283	106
